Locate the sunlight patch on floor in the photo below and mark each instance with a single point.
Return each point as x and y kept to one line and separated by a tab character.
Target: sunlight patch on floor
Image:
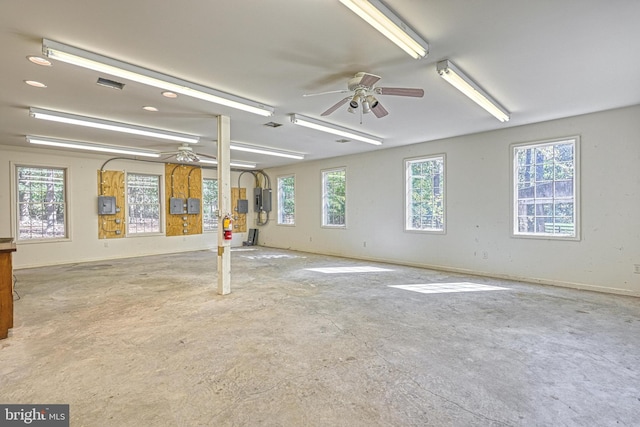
441	288
334	270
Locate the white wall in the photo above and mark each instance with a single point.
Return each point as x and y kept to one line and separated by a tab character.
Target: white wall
479	210
84	244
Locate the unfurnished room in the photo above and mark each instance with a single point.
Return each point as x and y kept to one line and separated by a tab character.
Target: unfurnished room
320	213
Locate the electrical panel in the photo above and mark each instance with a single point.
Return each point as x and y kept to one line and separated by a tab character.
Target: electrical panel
193	205
176	206
266	200
106	205
257	199
243	206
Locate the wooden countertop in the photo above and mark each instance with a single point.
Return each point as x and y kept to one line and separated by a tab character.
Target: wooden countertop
7	245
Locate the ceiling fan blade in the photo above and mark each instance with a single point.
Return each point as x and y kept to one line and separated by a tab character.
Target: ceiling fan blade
400	91
369	79
325	93
336	106
379	111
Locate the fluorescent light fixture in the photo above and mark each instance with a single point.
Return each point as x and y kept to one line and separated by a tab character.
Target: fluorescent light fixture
384	20
464	84
103	64
77	145
237	146
232	164
92	122
334	129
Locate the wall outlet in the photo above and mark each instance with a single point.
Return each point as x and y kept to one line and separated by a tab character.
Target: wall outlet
485	255
636	268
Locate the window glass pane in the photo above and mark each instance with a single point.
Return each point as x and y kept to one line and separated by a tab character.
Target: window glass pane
286	200
425	194
143	203
209	204
545	189
334	197
41	203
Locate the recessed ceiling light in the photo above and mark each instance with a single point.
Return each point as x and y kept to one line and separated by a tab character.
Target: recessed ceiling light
149	108
168	94
35	83
39	60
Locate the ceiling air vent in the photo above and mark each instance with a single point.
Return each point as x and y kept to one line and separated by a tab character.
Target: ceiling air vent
342	141
273	124
110	83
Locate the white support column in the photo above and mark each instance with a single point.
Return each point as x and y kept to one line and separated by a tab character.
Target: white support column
224	203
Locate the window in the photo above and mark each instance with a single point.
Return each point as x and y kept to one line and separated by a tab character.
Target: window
209	204
143	195
424	186
545	189
286	200
42	203
334	197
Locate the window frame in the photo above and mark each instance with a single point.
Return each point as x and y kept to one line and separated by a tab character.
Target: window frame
215	227
15	216
407	199
160	206
513	151
323	174
280	201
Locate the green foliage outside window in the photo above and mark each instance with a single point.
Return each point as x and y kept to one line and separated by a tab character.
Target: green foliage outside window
334	184
41	203
425	194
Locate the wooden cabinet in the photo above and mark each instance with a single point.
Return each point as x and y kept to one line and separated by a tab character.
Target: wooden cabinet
7	247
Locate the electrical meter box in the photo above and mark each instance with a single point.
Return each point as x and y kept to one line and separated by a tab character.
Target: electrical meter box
176	206
266	200
106	205
243	206
193	205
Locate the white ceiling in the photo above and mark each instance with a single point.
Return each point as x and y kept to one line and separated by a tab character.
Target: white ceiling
542	60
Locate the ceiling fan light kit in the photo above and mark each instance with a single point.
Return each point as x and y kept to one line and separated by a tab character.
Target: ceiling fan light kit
363	87
334	129
77	145
93	122
82	58
464	84
380	17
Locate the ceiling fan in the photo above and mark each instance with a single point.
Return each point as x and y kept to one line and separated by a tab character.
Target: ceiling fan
362	97
186	154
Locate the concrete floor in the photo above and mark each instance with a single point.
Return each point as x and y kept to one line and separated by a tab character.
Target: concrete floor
148	342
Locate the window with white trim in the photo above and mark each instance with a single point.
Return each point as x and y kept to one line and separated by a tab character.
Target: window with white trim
42	203
143	197
545	189
334	197
209	204
287	200
424	186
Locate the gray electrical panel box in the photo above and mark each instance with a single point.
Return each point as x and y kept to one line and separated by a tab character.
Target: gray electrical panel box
193	205
243	206
257	199
106	205
176	206
266	200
